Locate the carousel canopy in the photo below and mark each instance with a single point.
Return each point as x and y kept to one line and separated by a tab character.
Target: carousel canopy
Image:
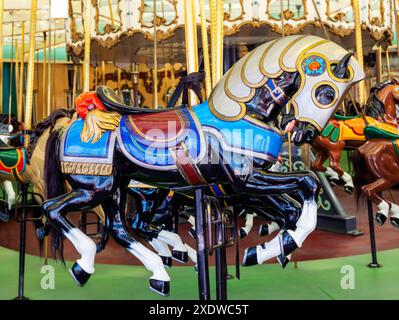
122	31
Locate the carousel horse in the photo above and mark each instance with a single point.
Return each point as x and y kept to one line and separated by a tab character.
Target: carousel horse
9	128
376	162
228	140
348	132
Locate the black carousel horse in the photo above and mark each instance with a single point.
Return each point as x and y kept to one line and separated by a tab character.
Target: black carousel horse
112	143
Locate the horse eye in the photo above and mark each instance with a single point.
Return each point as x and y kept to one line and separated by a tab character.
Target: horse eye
325	94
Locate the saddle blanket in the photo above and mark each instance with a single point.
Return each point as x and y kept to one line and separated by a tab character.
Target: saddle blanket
159	140
247	136
13	162
78	157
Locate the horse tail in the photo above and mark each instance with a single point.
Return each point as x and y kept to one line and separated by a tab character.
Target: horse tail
55	186
359	178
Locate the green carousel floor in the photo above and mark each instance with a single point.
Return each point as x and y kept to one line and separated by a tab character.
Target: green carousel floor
319	279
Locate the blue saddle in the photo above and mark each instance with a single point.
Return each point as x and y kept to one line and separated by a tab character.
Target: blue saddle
246	136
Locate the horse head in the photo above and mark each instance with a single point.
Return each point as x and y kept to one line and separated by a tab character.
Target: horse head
321	72
327	72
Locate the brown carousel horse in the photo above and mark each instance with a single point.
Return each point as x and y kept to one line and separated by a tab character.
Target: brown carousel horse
348	132
376	165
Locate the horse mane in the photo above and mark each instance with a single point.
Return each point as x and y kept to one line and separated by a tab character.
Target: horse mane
51	120
374	106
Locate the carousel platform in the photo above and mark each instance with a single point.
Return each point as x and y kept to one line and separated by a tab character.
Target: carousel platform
319	245
317	279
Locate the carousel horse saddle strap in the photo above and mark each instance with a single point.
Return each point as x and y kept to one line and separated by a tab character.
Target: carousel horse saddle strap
88	158
162	141
13	162
112	102
381	131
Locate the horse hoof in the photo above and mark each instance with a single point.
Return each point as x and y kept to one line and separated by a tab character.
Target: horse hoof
160	287
180	256
264	230
229	276
196	269
334	182
192	233
349	189
4	217
395	222
380	218
283	261
167	261
250	257
79	275
242	233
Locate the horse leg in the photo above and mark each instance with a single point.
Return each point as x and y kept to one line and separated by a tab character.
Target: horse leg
333	176
318	164
395	215
268	228
335	158
179	251
10	193
372	191
249	222
55	210
159	281
288	240
163	251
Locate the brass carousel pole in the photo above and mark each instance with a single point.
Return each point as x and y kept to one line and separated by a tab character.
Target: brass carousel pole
17	70
190	29
359	48
219	37
28	128
155	68
21	75
213	15
379	65
53	82
11	74
1	54
87	34
74	84
388	63
103	72
49	69
205	49
396	13
44	110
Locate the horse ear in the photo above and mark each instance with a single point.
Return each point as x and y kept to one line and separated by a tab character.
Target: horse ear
342	66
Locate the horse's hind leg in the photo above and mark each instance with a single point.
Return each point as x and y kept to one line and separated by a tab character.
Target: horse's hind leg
159	281
163	251
55	210
373	192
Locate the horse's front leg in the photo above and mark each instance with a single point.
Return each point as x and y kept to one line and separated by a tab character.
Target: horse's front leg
10	193
55	211
262	183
